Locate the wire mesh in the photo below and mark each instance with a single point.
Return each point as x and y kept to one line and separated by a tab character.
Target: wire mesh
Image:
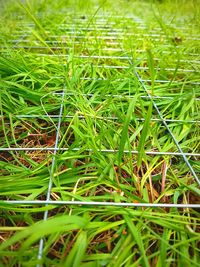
124	63
115	31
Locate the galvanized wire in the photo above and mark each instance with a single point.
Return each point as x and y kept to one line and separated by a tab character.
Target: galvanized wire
103	118
184	155
48	196
158	153
96	203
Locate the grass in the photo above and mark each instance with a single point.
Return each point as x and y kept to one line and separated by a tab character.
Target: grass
106	115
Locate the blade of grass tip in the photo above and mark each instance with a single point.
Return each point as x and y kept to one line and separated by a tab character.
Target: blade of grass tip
138	239
124	135
30	13
97	10
27	8
144	134
165	28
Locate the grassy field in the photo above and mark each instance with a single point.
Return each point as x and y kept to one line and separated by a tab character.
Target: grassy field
99	103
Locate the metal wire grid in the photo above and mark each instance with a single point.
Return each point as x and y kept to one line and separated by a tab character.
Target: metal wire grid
111	35
61	116
142	81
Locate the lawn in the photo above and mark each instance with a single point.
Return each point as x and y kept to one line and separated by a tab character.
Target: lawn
99	133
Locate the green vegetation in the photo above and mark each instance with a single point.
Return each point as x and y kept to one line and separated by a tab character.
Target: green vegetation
67	74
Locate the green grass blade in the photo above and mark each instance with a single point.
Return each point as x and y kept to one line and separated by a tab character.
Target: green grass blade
144	135
138	239
124	135
76	254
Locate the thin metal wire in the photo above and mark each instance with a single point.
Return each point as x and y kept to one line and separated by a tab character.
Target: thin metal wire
99	203
115	35
143	68
70	41
48	196
106	22
104	118
104	15
119	31
159	153
140	25
144	80
85	56
112	34
91	48
184	155
57	47
92	39
111	57
104	26
129	18
126	96
169	81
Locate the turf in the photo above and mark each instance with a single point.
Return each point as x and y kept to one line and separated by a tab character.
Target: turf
78	75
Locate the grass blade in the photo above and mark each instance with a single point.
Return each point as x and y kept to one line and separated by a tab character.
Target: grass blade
144	135
76	254
124	135
138	239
